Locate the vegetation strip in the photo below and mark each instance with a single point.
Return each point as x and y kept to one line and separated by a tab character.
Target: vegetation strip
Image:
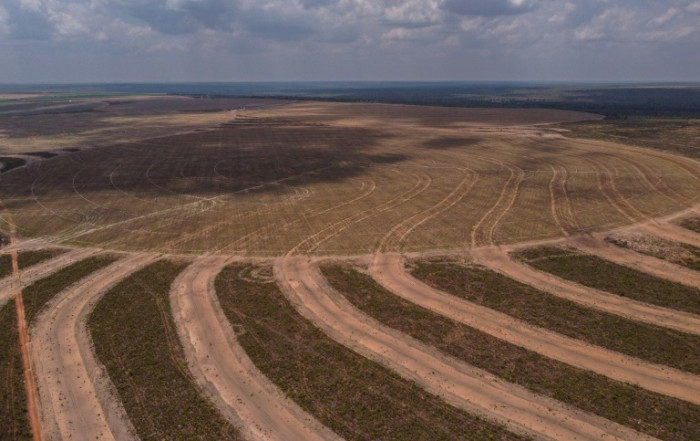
645	411
135	339
607	276
39	293
14	420
355	397
692	224
25	259
674	252
490	289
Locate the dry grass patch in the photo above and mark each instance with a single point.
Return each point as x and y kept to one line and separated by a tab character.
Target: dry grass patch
675	252
607	276
645	411
355	397
135	339
493	290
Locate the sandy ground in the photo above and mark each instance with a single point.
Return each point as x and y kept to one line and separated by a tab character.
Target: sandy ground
78	401
672	232
389	271
9	285
458	383
656	267
498	260
223	370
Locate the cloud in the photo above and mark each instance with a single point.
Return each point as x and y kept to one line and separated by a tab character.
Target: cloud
27	20
490	7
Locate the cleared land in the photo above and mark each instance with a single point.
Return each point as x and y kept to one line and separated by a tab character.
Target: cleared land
654	414
598	273
328	178
135	339
243	180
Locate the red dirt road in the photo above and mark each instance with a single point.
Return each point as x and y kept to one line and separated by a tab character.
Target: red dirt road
459	384
223	370
389	271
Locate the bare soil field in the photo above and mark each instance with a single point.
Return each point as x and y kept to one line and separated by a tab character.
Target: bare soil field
261	191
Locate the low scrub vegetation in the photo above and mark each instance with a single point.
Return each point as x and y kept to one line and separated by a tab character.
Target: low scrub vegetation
39	293
135	338
493	290
692	224
678	253
607	276
14	419
352	395
655	414
25	259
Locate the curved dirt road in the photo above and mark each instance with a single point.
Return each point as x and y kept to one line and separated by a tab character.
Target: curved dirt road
672	232
498	260
76	398
9	286
656	267
388	270
223	370
456	382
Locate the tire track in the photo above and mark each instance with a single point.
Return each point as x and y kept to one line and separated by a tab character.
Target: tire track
77	398
388	270
223	370
461	385
560	203
242	241
499	261
312	242
393	239
482	232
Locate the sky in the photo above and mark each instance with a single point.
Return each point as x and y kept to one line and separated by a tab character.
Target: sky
58	41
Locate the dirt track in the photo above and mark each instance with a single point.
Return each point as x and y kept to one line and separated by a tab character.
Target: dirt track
389	271
459	384
648	264
77	401
499	261
222	368
8	285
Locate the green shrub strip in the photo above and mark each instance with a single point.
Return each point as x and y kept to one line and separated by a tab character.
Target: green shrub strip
25	259
36	295
495	291
355	397
136	340
14	419
645	411
607	276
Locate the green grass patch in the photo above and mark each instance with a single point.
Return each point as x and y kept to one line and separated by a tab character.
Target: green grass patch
14	419
692	224
136	340
604	275
495	291
39	293
645	411
357	398
26	259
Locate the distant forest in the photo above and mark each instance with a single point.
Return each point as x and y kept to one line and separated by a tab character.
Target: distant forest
612	100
